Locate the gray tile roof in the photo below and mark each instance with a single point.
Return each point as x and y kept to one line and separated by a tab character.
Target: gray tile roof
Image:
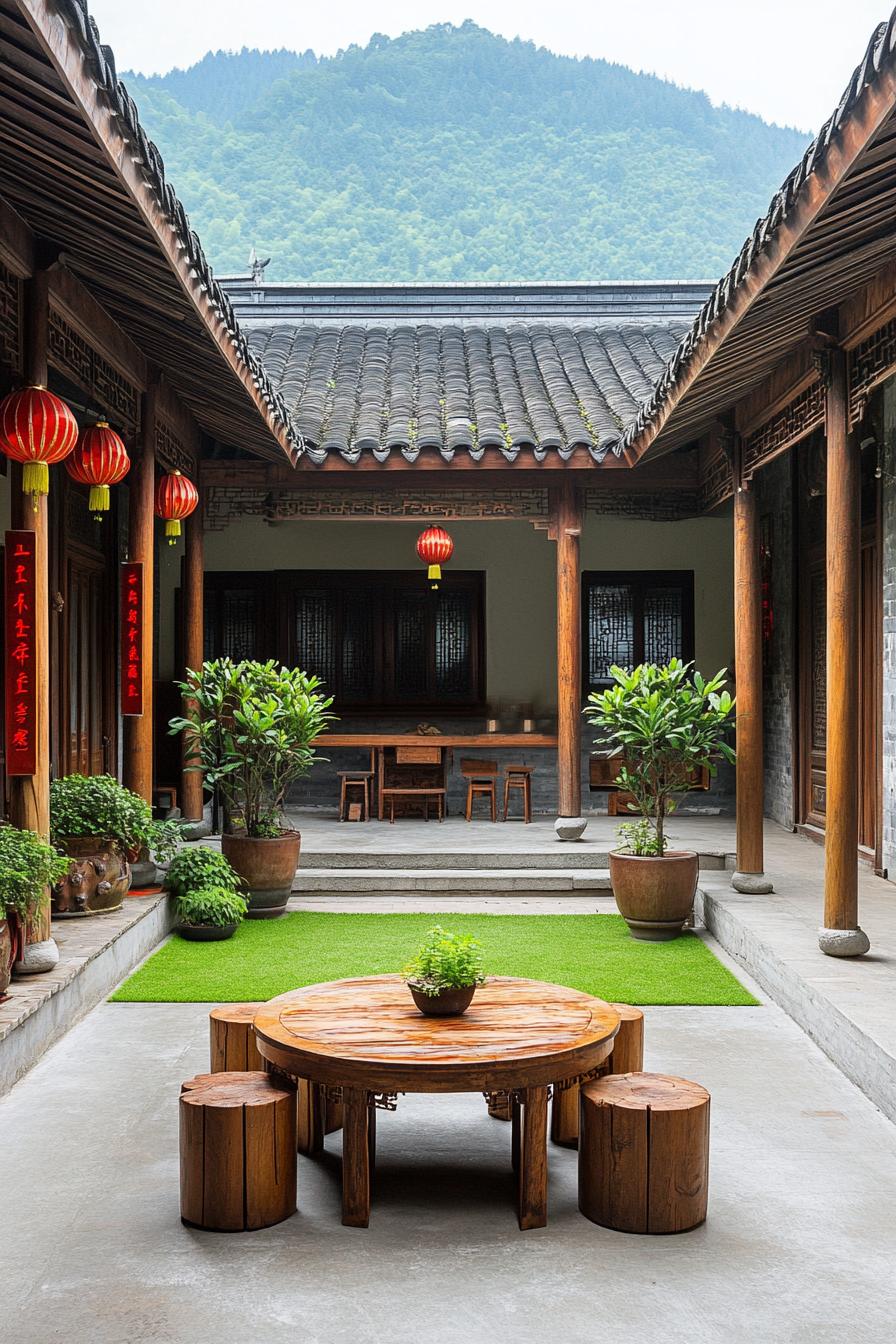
543	388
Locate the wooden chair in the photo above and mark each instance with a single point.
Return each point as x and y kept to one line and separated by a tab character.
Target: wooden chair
354	779
644	1152
237	1151
627	1056
519	777
482	781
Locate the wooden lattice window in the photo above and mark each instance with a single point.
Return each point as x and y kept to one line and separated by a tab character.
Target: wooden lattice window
632	618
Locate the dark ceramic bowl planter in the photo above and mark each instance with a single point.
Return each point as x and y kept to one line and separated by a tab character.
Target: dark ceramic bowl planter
267	869
654	893
205	933
447	1003
98	878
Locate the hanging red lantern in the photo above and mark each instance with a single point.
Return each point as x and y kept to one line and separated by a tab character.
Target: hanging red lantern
176	498
36	429
434	547
100	459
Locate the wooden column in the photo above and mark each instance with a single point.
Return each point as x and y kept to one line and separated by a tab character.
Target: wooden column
841	935
29	795
568	528
138	730
749	876
191	782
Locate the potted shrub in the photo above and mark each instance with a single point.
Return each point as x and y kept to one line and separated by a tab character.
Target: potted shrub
209	914
444	974
250	728
28	865
665	723
198	866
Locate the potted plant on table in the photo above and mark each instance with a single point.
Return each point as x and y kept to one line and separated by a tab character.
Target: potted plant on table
444	974
28	865
97	823
250	728
666	724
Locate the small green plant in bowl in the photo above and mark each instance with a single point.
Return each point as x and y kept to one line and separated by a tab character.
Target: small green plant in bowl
196	867
210	914
445	973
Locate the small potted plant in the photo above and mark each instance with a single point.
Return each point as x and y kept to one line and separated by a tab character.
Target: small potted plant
250	728
197	866
209	914
96	822
28	866
444	974
666	724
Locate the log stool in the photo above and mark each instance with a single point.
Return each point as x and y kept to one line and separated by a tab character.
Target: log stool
644	1152
237	1151
519	777
627	1057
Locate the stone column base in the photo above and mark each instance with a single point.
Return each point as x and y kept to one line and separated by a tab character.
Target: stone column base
752	884
843	942
37	958
570	828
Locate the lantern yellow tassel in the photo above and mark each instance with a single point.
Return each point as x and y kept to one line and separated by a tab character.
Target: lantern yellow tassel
172	531
99	501
35	480
435	572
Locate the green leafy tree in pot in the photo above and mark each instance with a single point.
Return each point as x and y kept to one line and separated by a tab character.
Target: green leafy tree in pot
28	865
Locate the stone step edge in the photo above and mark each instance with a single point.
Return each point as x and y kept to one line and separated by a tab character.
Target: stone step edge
515	880
559	860
863	1060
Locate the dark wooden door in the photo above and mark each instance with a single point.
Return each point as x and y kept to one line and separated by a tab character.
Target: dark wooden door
89	641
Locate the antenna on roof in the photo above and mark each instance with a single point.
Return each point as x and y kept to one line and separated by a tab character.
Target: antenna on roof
256	267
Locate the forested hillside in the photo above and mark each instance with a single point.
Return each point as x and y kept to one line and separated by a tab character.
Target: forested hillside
452	154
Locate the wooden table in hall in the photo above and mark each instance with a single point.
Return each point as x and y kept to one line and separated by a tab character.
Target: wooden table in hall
363	1042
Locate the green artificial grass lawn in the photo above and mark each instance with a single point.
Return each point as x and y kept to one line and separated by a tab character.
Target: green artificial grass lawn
589	952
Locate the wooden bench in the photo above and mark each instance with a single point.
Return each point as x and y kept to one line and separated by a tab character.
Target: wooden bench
237	1151
424	794
644	1152
627	1057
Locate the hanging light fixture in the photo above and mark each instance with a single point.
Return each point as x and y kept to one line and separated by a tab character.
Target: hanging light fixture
176	498
99	460
434	547
36	429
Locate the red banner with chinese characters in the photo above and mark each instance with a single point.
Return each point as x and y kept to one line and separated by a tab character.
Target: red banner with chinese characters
20	654
132	638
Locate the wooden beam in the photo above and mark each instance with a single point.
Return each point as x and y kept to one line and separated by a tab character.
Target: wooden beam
568	526
138	729
192	795
841	934
16	242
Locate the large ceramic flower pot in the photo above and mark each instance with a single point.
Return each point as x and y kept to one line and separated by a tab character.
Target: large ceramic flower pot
5	956
98	878
267	867
655	894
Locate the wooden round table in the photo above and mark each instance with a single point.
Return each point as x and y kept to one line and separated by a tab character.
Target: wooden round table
363	1042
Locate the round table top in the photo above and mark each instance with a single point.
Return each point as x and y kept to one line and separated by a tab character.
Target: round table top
368	1033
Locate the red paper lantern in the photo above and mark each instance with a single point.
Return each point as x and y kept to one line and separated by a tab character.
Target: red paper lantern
100	459
36	429
434	547
176	498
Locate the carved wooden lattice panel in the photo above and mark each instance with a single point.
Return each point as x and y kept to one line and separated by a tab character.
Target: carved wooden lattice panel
718	483
171	451
115	395
315	636
611	630
662	624
452	642
872	360
797	419
410	646
10	321
232	628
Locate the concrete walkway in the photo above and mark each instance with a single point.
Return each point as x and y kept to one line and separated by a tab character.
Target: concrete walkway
798	1249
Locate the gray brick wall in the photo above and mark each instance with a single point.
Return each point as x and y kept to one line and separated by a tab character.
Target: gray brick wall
775	500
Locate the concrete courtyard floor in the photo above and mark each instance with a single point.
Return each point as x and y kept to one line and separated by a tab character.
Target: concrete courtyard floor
799	1245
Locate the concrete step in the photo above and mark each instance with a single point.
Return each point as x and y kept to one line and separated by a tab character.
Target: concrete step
472	880
561	858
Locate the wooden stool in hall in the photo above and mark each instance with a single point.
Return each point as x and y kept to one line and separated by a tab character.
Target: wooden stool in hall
627	1057
482	782
354	779
519	777
644	1152
237	1151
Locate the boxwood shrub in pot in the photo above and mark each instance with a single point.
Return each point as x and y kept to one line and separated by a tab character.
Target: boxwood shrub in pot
28	866
97	822
250	729
209	914
666	723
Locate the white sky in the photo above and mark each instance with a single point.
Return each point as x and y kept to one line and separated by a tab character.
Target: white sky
788	60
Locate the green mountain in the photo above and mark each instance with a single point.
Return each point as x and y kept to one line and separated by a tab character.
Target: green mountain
452	154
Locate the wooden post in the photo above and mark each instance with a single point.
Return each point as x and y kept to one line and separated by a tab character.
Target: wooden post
568	528
138	729
749	876
193	620
841	935
29	795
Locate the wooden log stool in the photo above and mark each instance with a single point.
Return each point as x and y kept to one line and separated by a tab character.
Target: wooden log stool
519	777
627	1057
237	1151
644	1152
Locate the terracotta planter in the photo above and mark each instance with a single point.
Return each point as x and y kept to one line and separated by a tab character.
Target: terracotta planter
654	894
5	956
206	933
267	867
97	880
449	1003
